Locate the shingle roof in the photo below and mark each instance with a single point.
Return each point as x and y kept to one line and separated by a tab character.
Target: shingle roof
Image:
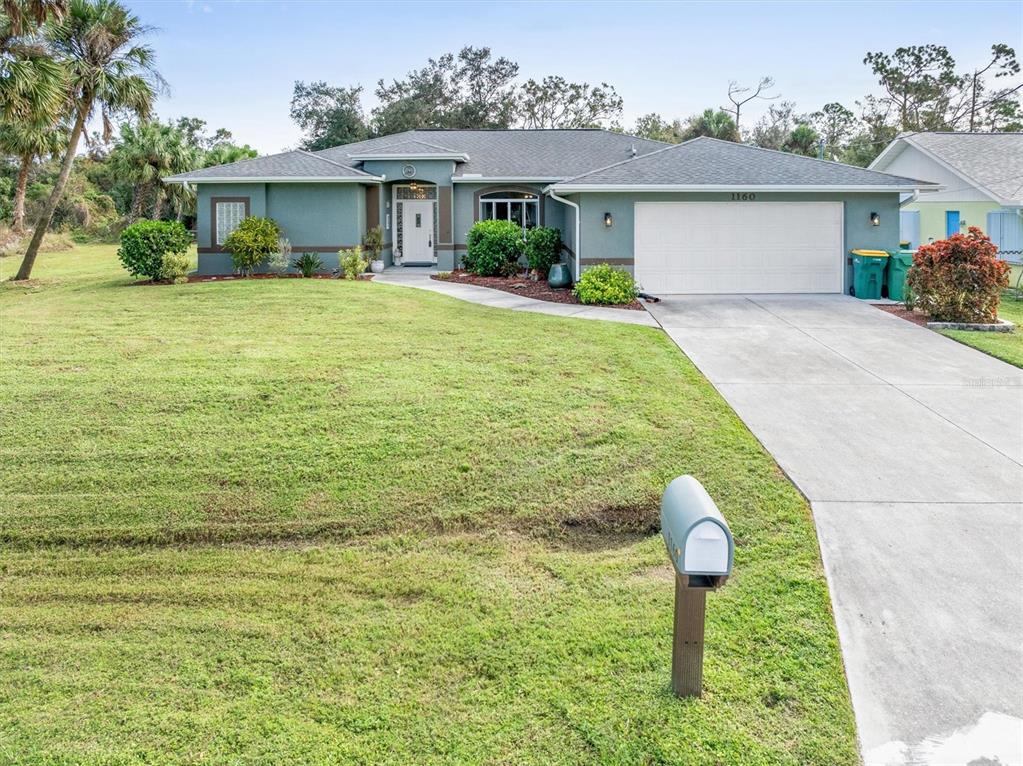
527	154
293	164
993	160
403	147
711	162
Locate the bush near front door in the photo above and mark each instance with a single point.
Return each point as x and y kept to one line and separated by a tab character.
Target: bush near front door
543	249
493	248
959	279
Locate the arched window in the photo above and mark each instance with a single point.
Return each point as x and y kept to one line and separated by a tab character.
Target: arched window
521	207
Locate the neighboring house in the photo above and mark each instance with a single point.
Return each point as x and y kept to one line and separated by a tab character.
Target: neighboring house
705	216
981	175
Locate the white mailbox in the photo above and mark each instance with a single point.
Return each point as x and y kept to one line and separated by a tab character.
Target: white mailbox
696	534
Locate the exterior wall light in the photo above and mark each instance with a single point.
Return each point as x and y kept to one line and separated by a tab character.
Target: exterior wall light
875	219
608	221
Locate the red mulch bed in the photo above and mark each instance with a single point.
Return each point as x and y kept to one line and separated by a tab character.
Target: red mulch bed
903	313
538	289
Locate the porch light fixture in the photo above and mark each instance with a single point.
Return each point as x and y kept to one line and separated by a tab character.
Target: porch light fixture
413	186
608	221
875	219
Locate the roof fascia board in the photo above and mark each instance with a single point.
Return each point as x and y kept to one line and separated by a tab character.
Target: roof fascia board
898	144
275	179
570	188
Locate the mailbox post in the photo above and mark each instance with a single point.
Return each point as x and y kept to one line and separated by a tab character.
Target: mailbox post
701	549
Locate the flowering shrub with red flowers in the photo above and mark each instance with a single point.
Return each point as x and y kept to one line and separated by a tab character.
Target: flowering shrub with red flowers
959	279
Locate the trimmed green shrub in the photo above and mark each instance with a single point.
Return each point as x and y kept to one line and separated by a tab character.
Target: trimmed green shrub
145	244
607	285
308	264
543	249
255	240
175	267
959	279
352	262
493	248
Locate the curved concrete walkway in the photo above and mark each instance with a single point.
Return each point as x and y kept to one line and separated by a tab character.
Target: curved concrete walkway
485	296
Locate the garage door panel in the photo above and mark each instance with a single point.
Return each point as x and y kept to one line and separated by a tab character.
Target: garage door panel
714	247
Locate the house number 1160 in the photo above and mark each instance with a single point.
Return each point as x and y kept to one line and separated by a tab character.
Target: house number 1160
743	196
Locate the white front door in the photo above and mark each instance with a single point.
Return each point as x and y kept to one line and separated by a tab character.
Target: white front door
417	231
739	247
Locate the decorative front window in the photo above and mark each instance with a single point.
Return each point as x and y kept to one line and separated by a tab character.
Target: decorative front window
519	207
416	191
229	215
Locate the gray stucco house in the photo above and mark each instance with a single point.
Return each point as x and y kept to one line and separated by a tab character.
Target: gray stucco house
705	216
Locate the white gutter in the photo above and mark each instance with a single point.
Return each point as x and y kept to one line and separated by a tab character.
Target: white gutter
570	203
910	199
737	188
275	179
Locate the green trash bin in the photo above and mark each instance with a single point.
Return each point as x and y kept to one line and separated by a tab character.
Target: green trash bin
868	273
898	264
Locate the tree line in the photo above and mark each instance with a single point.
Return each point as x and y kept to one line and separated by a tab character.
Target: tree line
64	63
921	88
470	89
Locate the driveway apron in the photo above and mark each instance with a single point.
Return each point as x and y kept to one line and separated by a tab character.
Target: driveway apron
909	447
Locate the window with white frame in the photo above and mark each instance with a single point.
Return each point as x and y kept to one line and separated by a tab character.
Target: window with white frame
521	207
229	215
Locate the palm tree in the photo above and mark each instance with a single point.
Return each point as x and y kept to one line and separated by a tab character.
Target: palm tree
109	70
28	141
31	81
145	154
715	124
23	13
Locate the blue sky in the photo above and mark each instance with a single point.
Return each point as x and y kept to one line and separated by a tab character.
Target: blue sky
234	62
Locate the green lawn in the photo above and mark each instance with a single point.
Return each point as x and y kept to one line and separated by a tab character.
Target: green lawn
312	522
1005	345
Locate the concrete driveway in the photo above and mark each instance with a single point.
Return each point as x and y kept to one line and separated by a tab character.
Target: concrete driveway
909	447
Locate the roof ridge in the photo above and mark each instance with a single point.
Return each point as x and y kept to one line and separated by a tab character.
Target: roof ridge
963	133
382	147
733	145
631	159
307	153
803	157
241	161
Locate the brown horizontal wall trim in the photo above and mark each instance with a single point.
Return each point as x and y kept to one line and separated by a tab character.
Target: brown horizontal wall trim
611	261
460	247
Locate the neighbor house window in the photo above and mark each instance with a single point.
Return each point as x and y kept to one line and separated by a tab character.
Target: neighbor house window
229	215
521	207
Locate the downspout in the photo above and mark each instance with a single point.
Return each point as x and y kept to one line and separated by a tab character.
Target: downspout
556	198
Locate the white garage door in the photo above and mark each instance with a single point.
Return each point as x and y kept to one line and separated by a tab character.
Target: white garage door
739	247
